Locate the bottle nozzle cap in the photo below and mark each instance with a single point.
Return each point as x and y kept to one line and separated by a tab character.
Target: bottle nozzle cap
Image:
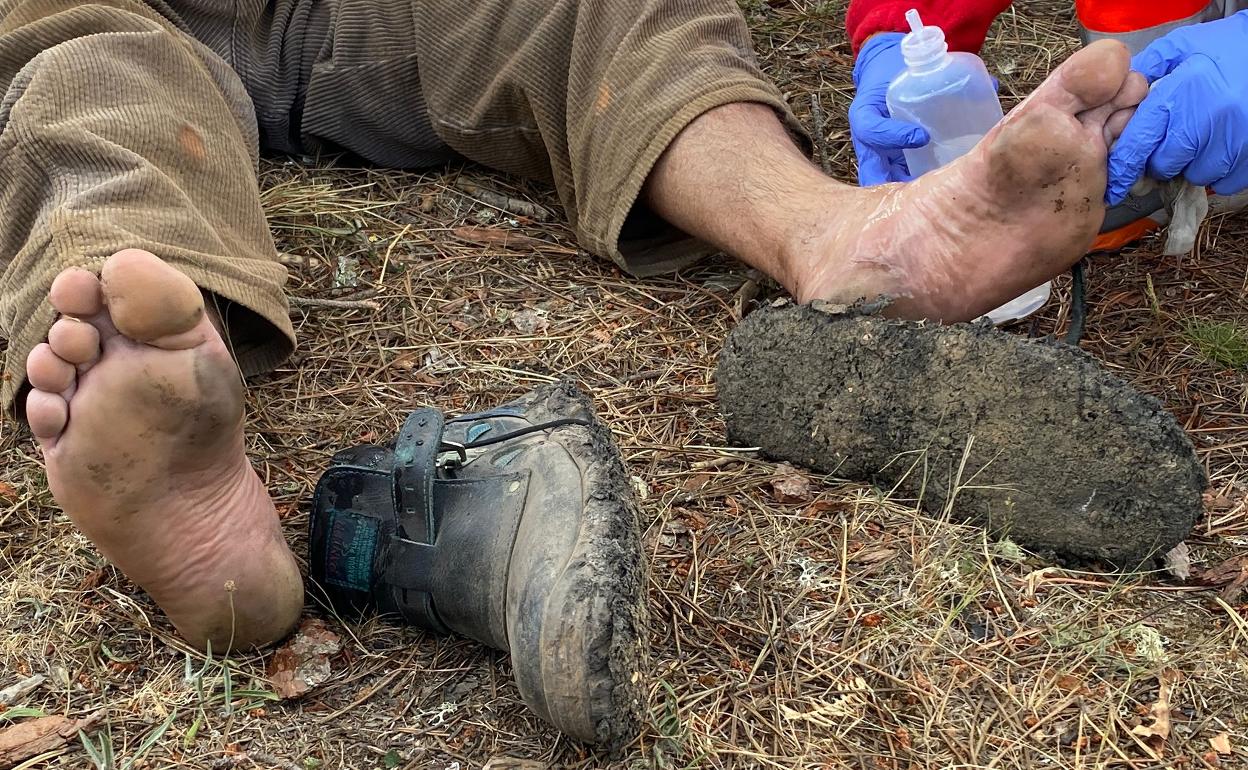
924	44
912	16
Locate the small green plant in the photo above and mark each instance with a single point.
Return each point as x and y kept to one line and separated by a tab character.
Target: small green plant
102	755
1224	343
213	682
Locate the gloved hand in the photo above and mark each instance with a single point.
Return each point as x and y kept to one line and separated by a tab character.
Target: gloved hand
1194	121
878	139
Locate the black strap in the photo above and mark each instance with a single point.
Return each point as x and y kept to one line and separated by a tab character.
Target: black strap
408	565
415	468
1078	304
452	466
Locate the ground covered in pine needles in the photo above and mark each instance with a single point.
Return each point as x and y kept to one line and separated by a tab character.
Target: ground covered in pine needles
798	621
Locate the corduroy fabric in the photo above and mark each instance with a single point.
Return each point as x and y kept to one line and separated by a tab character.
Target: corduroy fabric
117	130
136	124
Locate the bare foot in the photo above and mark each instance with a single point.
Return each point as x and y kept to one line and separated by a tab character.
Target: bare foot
1020	208
139	409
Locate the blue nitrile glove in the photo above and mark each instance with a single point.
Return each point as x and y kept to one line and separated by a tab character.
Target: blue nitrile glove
878	139
1194	121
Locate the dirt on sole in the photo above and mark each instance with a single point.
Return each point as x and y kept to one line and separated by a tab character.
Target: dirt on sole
1031	439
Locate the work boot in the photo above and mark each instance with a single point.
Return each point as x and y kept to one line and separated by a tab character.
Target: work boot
515	527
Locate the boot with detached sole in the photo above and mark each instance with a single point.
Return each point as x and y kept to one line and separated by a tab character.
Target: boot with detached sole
515	527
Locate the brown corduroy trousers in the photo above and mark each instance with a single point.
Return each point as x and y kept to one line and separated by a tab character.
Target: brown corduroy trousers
138	124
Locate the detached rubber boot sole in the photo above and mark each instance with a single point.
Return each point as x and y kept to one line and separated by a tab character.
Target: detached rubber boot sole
1030	439
515	527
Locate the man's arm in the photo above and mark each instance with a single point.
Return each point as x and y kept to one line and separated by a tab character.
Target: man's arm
965	22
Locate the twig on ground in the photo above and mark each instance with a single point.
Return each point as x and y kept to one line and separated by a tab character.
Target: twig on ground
503	202
820	138
340	304
11	693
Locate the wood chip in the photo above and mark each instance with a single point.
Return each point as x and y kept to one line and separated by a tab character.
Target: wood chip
303	662
1231	574
790	486
1221	743
24	740
1179	562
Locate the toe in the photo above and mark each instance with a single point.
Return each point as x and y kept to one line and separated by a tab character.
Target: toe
48	371
75	341
76	292
1090	78
47	413
1133	91
1116	124
148	300
1123	105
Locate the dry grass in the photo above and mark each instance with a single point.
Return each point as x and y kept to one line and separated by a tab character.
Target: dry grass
841	631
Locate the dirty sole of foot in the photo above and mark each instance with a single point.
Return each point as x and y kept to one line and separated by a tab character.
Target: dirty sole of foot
1032	440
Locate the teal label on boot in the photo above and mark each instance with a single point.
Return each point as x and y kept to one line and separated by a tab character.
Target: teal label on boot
349	550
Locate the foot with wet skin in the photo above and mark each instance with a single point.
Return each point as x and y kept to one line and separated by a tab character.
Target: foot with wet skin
1021	207
138	407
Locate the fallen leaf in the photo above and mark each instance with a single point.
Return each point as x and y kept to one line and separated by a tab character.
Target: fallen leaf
1157	733
789	486
7	492
1179	562
696	482
1068	683
303	662
1217	503
1221	743
529	321
22	741
675	527
903	737
694	520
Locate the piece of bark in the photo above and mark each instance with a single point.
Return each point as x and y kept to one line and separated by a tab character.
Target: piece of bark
1231	574
24	740
303	662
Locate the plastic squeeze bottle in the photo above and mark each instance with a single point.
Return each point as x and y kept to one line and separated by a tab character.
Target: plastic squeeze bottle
953	97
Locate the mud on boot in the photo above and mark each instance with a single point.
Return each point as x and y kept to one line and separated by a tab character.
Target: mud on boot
515	527
1031	439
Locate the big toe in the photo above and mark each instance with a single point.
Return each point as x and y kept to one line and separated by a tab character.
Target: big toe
149	301
1089	79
